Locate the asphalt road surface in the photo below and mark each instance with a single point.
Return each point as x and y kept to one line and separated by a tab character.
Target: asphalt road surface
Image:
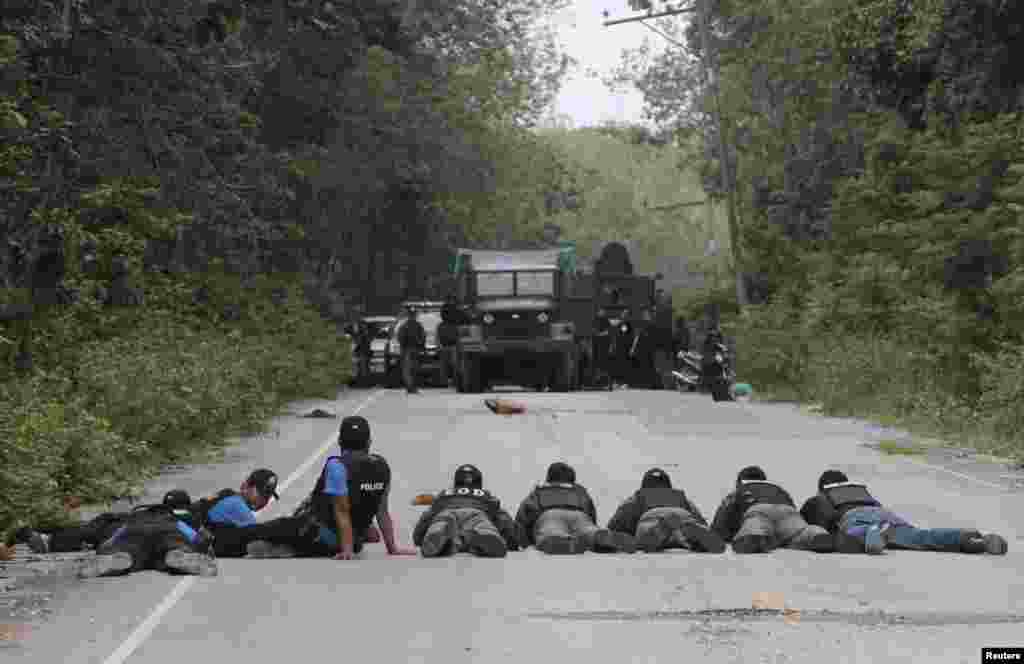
901	606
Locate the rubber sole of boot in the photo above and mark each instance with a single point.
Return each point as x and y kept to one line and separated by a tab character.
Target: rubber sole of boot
706	539
558	545
611	541
995	545
752	544
488	545
654	538
435	542
39	543
191	563
106	564
874	541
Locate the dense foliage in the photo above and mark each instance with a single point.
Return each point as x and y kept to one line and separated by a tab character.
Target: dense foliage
878	148
185	185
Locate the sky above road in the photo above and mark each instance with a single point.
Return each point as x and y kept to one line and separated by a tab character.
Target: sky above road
585	99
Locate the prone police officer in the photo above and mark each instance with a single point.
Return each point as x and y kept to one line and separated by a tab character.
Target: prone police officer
466	517
759	516
559	517
661	517
153	539
228	510
94	532
863	525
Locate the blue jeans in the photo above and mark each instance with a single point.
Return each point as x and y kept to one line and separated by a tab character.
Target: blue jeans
901	534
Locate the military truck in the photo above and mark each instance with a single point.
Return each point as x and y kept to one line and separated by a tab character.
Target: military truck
520	319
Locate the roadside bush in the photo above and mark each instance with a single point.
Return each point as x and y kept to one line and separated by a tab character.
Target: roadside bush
54	449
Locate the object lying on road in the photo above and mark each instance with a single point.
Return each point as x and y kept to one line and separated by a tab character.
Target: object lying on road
502	407
742	391
6	552
423	499
316	412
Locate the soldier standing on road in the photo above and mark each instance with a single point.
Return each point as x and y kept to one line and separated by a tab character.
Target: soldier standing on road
863	525
559	517
759	516
660	518
363	341
466	517
412	339
448	337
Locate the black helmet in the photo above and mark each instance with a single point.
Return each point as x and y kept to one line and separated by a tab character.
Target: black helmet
831	477
656	477
751	473
354	433
177	499
561	473
469	476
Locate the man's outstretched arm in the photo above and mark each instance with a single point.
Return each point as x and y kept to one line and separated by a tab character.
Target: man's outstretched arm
387	531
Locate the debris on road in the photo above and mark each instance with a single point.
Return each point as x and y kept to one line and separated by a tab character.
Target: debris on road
503	407
318	413
423	499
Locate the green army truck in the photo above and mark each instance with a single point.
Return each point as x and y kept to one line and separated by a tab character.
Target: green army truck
521	322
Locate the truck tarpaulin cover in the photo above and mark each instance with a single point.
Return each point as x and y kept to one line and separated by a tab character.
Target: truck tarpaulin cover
563	259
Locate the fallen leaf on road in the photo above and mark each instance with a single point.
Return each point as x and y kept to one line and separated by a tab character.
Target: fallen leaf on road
423	499
13	632
771	601
502	407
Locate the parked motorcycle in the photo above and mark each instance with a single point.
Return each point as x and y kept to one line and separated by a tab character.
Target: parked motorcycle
716	376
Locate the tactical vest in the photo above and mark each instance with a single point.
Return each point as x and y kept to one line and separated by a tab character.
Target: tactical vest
661	497
460	497
181	514
847	495
201	509
561	496
767	493
368	480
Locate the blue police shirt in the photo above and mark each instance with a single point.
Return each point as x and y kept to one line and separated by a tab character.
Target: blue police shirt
335	484
336	478
232	510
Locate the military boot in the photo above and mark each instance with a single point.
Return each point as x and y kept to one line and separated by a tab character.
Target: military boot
440	537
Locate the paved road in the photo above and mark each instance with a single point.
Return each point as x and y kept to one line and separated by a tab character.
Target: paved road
902	606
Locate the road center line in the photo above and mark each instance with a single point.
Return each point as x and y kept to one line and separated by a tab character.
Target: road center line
953	472
142	632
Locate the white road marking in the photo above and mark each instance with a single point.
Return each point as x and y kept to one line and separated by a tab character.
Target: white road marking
953	472
142	632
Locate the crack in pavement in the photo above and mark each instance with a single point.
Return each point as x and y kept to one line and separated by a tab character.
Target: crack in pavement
870	618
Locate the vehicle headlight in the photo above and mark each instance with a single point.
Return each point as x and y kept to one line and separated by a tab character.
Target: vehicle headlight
488	318
542	317
624	328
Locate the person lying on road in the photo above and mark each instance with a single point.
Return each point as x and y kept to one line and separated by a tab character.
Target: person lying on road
468	518
153	539
335	519
863	525
94	532
559	517
759	516
660	518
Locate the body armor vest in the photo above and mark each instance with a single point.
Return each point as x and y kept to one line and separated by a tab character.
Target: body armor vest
661	497
368	479
847	495
462	497
753	493
561	496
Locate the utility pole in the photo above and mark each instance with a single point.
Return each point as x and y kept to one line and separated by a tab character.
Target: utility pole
712	75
